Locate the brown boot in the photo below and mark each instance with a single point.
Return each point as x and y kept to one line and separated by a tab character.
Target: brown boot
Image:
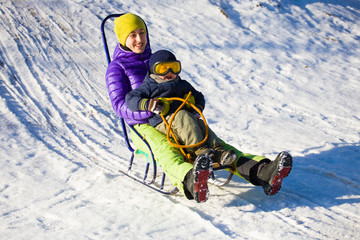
222	156
271	174
204	150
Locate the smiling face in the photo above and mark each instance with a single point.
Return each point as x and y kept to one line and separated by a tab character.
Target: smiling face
136	41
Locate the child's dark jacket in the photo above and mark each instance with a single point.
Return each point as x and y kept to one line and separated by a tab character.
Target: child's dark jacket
152	89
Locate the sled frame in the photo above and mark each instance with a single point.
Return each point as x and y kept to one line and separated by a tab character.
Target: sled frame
148	183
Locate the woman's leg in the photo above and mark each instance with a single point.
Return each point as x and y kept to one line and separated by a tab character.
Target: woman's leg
168	157
246	164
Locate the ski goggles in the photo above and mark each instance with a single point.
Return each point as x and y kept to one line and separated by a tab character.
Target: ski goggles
163	68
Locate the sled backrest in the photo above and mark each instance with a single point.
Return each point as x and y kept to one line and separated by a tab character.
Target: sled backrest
108	57
123	124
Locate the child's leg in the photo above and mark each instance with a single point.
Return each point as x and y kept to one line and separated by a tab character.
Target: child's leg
221	155
212	137
185	128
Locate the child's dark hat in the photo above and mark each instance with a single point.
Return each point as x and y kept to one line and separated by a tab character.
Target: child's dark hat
161	56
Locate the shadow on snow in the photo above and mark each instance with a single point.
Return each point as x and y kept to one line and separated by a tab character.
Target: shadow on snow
326	179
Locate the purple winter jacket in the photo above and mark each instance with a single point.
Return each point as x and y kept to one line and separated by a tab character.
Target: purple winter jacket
125	72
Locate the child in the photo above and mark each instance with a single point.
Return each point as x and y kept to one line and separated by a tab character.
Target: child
162	82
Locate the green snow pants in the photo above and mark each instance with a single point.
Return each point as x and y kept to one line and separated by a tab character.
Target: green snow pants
172	161
169	158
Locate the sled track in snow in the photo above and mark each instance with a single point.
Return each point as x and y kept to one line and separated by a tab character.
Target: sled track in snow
285	212
291	211
27	46
52	80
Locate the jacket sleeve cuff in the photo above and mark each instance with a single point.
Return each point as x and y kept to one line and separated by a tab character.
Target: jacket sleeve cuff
143	104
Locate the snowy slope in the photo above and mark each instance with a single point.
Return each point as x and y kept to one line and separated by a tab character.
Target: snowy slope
277	75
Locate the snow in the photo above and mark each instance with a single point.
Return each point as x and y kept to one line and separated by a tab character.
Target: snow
277	75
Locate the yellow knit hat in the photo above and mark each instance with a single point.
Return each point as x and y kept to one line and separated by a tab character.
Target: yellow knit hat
125	24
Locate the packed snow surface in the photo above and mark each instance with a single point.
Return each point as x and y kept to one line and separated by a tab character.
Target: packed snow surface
277	75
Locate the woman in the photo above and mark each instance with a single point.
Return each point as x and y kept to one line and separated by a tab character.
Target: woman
126	72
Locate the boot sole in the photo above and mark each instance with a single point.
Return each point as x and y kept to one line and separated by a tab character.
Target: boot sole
202	171
284	169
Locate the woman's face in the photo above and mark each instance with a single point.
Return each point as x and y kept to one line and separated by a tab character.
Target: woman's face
136	41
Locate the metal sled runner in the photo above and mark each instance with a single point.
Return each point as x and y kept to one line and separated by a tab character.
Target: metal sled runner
151	164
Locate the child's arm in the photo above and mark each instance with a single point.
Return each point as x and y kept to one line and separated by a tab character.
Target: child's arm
140	99
199	98
135	98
